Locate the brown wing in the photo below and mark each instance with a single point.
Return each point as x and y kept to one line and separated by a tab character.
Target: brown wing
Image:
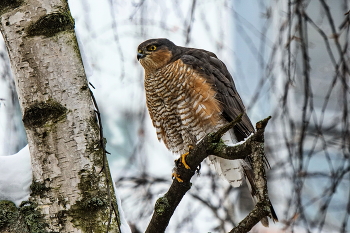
217	74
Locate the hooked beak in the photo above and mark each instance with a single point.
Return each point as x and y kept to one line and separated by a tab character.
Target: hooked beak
140	56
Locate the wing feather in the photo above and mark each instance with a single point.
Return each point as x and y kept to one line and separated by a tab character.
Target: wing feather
215	71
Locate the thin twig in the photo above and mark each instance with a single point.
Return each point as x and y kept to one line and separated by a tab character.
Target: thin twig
105	166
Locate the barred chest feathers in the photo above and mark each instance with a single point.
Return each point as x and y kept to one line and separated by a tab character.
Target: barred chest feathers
182	105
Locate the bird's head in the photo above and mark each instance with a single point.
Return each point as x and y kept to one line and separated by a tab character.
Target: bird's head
155	53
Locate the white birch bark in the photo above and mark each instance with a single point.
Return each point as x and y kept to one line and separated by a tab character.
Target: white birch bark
68	188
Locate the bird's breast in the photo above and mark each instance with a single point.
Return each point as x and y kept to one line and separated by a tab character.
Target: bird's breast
182	104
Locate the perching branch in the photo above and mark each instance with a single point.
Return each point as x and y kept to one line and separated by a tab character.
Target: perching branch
213	145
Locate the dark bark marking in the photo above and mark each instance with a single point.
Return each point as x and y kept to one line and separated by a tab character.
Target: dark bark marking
51	24
40	113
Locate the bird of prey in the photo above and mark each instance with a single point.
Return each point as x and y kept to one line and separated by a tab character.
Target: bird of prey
190	93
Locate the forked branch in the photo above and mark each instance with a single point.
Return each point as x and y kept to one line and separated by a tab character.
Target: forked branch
213	145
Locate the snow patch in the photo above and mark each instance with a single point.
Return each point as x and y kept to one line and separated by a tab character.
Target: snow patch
15	176
245	139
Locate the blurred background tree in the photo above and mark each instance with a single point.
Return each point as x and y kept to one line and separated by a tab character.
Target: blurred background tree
289	59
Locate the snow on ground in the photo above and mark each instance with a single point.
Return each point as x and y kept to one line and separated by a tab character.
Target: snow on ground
15	176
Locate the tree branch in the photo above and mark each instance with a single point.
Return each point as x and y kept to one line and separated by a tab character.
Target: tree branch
213	145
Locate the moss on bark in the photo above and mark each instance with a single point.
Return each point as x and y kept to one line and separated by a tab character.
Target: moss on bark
25	219
8	213
92	212
32	217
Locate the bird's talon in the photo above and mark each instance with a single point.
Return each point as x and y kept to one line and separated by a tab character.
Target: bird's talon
183	160
177	177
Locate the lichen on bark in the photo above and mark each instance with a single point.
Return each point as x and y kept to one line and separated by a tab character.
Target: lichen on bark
8	213
38	188
11	219
32	217
162	205
92	212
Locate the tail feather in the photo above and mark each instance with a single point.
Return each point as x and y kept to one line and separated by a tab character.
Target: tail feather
273	213
230	170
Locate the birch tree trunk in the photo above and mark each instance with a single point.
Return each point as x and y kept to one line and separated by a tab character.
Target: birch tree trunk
69	192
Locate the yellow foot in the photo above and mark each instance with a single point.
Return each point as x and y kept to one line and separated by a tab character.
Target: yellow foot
177	176
183	158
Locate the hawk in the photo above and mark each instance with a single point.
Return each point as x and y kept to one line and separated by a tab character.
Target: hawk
190	93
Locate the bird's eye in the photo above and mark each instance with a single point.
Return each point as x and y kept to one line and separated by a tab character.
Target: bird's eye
152	48
139	51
